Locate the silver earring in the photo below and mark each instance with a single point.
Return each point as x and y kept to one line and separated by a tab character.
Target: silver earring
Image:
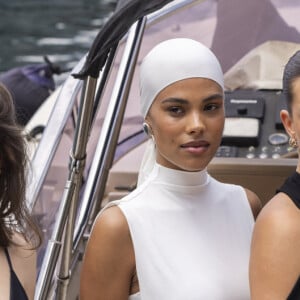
146	128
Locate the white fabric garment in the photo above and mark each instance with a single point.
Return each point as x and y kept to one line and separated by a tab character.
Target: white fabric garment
136	296
148	161
191	236
173	60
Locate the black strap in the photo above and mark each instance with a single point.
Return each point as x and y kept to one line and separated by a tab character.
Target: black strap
17	291
8	258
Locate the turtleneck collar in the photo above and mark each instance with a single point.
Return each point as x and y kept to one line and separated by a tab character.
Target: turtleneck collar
178	177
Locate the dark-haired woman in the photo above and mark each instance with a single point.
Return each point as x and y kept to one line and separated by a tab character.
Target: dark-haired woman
275	254
19	236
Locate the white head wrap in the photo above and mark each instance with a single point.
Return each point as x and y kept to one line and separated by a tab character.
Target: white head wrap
169	62
174	60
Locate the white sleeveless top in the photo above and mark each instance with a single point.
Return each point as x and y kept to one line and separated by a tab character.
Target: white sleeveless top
191	236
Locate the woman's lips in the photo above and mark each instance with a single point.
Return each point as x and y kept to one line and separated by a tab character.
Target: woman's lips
196	147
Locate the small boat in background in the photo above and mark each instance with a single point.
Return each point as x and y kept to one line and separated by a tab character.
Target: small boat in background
30	86
77	169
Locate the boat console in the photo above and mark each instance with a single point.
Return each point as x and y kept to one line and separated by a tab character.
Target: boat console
253	128
258	158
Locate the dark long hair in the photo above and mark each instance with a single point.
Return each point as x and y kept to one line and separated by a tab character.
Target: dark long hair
14	215
290	73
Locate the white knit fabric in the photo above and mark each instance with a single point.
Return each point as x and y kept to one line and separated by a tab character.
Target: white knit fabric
191	236
173	60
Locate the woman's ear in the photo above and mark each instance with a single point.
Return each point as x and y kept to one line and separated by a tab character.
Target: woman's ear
147	127
287	122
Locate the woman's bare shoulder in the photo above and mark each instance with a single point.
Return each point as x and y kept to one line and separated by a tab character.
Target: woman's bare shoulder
280	214
111	220
275	249
110	228
109	261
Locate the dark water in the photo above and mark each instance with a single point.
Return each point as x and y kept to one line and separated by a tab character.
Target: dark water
63	30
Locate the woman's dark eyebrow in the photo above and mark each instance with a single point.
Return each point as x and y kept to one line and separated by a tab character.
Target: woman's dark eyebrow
175	100
213	97
184	101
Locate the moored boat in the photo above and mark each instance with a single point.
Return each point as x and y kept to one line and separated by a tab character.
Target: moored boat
253	40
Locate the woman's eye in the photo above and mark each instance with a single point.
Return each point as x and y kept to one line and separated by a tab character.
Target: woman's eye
211	106
175	110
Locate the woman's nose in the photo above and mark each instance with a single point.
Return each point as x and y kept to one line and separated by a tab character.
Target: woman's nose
195	124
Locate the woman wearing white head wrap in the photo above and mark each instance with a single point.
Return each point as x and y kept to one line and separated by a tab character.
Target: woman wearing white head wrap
168	62
181	234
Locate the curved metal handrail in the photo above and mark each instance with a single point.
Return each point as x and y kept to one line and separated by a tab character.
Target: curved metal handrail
72	186
49	142
107	142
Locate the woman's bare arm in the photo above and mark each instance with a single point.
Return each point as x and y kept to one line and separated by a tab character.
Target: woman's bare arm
275	250
109	262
